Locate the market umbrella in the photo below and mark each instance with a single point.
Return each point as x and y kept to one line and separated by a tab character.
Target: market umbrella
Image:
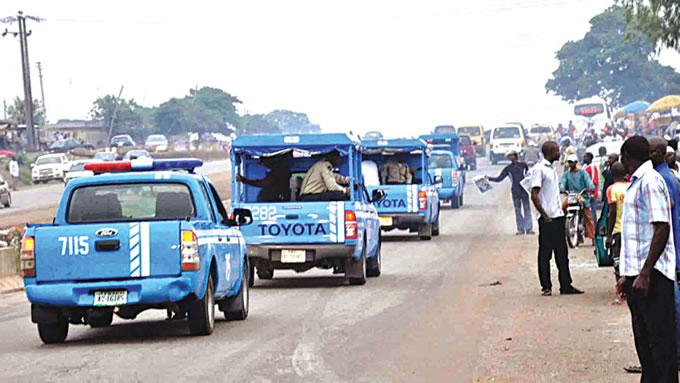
636	107
665	104
619	114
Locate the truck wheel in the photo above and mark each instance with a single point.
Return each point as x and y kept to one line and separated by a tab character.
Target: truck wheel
236	307
8	203
374	267
202	312
455	202
360	280
53	332
265	273
493	159
460	202
435	228
425	231
251	276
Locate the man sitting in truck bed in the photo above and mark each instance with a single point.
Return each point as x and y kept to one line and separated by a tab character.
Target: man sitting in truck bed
321	184
395	171
275	185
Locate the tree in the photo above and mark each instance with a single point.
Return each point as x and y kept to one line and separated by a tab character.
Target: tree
292	122
128	119
658	19
613	61
17	113
257	124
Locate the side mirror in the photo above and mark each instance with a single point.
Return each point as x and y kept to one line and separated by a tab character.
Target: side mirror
378	195
32	165
438	179
241	217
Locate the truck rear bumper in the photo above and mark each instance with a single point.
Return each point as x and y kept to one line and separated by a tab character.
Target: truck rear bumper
403	221
447	193
314	252
139	291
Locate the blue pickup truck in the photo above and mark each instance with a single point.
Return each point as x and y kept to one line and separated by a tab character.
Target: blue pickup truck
412	203
292	233
143	234
447	163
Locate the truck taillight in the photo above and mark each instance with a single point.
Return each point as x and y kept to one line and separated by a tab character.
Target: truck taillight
522	143
422	200
191	261
27	258
351	231
454	177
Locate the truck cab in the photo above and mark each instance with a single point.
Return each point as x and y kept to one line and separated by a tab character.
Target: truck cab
139	235
412	203
342	234
453	174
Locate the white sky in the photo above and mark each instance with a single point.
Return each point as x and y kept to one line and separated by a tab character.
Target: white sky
396	66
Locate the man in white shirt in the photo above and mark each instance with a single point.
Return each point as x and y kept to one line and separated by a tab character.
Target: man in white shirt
545	194
14	172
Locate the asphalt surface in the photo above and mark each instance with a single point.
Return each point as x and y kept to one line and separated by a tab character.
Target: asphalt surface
410	324
48	195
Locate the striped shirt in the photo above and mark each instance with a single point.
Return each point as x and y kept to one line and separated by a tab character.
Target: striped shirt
647	201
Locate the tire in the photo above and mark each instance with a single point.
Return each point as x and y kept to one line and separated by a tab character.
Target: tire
425	231
435	228
374	267
361	280
251	276
236	307
460	201
8	203
51	333
455	202
493	159
571	233
267	273
202	312
473	166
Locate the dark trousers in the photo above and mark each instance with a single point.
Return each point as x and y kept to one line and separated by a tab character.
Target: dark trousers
552	239
654	328
522	212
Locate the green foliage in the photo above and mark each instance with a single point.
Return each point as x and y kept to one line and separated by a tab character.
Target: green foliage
612	61
292	122
17	114
129	117
257	124
658	19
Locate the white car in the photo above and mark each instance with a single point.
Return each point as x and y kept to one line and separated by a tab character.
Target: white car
77	170
505	138
50	167
156	143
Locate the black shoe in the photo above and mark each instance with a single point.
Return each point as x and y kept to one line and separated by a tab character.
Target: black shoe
530	232
633	369
546	292
519	233
571	290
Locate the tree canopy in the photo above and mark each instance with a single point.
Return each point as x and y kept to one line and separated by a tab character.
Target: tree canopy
129	116
613	61
17	114
658	19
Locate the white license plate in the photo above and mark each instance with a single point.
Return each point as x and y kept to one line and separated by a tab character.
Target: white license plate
110	298
385	221
293	256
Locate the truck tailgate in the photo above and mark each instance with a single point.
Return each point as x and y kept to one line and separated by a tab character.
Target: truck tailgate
107	251
398	199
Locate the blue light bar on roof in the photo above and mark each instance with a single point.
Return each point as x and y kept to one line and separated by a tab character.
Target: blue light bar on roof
141	164
177	164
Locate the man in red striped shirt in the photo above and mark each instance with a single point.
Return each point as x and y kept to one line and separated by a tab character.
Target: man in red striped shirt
593	172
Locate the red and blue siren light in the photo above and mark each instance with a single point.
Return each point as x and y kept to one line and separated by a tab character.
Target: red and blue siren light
144	163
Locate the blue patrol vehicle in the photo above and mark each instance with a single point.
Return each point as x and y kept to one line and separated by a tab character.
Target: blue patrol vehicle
412	203
447	163
143	234
290	232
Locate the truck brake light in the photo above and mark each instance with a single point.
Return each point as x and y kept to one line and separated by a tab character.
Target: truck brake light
422	200
351	231
191	260
27	258
454	177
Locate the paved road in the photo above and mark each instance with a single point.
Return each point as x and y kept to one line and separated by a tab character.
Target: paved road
48	195
409	324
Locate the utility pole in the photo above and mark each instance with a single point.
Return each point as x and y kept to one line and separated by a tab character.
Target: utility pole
42	97
4	108
115	111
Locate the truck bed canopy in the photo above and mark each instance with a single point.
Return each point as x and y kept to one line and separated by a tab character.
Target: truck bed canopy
394	146
443	141
308	144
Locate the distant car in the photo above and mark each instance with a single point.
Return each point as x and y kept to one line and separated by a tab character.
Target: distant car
136	153
49	167
372	135
467	150
106	156
476	134
505	138
443	129
65	146
5	193
536	131
156	143
122	140
77	170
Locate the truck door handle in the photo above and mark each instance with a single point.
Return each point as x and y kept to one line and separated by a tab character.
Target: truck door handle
107	245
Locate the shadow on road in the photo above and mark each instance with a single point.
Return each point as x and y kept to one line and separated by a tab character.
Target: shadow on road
401	238
301	282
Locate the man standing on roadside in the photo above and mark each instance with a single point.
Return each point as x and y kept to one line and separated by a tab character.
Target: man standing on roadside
607	174
545	194
517	170
14	172
615	195
648	264
593	171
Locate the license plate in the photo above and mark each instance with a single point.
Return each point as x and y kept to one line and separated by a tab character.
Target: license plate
293	256
110	298
385	221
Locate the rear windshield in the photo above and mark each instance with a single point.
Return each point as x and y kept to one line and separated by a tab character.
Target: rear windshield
444	129
465	140
440	161
77	167
509	132
48	160
471	130
130	202
540	129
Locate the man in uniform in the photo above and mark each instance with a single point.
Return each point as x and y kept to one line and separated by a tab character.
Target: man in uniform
321	184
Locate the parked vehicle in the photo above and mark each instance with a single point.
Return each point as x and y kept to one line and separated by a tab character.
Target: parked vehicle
65	146
477	136
410	206
372	135
593	112
123	140
136	153
468	151
106	156
444	129
301	235
505	138
443	167
49	167
575	224
156	143
140	237
5	193
77	170
536	131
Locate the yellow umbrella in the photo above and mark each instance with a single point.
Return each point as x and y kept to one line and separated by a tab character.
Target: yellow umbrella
664	104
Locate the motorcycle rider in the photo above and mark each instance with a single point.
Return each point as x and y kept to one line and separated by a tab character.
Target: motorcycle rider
576	180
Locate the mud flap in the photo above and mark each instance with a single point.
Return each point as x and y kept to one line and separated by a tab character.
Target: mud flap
354	268
44	315
425	230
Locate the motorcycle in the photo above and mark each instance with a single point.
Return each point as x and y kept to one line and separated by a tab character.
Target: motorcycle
575	227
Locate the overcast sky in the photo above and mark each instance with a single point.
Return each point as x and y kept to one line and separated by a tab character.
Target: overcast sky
396	66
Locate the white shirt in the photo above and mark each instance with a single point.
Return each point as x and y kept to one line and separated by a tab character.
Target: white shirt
13	168
543	176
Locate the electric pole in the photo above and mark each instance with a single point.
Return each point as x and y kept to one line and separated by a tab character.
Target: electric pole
115	111
42	97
